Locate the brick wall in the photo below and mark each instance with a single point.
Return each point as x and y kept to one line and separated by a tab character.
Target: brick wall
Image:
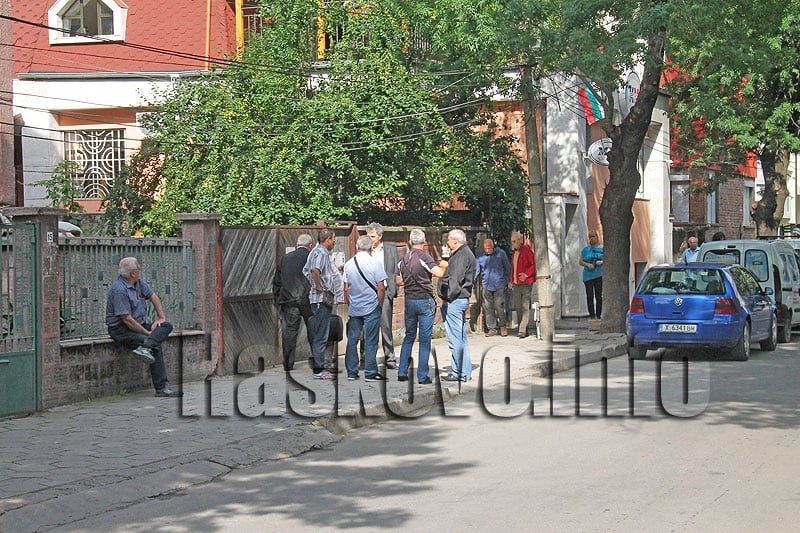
89	368
95	368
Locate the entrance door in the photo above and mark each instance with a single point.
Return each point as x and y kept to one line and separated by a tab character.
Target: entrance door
19	372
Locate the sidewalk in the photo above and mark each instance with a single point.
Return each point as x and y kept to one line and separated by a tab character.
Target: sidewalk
80	460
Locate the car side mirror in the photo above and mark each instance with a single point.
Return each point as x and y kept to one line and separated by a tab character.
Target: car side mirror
768	291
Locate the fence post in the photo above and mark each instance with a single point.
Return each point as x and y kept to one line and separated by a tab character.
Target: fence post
48	321
203	230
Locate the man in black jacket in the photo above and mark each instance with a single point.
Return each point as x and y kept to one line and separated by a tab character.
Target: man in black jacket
291	289
456	287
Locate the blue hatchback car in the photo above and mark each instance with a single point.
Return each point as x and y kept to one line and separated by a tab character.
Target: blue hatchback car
700	305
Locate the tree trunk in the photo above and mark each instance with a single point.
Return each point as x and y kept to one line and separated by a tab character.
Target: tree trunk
616	213
544	291
768	211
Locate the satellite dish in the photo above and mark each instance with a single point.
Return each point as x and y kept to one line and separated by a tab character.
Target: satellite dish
598	151
630	93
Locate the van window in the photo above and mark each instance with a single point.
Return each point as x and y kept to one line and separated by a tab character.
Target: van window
725	256
788	270
756	261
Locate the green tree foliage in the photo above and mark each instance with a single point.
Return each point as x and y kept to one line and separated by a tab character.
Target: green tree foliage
739	78
62	189
371	133
133	193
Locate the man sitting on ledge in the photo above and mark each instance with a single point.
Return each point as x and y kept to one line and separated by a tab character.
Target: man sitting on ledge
126	315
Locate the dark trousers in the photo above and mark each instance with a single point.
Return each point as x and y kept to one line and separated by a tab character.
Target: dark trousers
291	315
132	339
320	327
594	296
494	309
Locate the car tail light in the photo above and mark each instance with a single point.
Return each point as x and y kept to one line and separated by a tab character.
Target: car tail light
637	306
725	306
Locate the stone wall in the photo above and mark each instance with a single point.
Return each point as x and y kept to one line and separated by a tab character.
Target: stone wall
99	367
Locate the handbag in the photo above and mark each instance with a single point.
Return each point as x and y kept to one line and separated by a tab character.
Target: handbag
336	330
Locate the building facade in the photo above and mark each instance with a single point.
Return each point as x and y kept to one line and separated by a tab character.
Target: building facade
85	71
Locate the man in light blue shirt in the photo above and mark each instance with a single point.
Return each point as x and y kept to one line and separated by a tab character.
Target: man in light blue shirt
325	280
365	291
692	253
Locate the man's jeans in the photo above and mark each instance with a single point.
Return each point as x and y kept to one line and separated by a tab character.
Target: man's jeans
320	325
456	328
132	339
494	309
371	325
291	314
419	313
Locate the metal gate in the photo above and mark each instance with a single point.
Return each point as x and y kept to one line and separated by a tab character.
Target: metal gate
19	272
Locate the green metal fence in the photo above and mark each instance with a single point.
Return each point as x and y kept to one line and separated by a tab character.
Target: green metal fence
90	265
19	368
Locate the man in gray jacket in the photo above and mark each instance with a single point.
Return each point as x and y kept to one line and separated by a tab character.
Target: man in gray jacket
386	254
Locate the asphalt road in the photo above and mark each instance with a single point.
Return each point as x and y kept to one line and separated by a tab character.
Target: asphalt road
698	446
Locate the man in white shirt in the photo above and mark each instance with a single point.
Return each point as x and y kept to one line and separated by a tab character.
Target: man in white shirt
692	253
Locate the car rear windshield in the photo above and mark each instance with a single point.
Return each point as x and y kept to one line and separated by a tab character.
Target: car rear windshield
683	281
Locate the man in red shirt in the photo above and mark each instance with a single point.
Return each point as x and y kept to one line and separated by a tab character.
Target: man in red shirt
523	276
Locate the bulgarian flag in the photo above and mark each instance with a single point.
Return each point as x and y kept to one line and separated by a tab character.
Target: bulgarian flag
591	107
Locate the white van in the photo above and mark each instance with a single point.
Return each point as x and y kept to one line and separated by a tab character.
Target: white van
774	264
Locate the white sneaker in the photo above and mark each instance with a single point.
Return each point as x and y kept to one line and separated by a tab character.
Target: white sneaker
144	354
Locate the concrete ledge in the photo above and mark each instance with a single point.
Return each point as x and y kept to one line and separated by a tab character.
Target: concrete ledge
105	339
97	367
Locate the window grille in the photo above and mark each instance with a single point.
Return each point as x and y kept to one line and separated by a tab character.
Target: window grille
100	155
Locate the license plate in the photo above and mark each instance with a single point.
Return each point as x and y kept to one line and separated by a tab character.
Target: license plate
677	328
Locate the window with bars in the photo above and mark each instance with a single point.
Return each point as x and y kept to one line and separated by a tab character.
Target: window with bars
100	155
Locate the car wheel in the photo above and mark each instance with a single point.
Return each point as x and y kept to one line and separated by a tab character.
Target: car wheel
785	331
636	352
771	342
741	352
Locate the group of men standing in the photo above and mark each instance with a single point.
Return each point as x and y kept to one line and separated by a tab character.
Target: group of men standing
308	285
499	274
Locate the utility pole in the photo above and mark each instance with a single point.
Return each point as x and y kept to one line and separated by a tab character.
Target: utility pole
544	290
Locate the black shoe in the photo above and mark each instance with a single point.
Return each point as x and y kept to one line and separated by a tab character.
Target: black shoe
375	377
426	381
402	378
522	335
168	392
391	365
